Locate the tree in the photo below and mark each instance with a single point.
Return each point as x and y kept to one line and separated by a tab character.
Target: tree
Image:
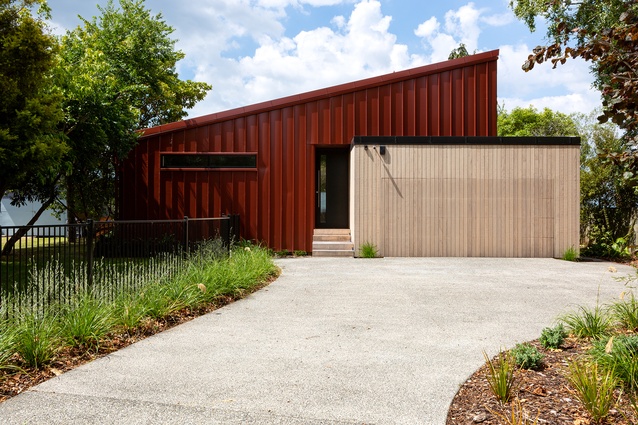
528	121
608	201
604	32
31	147
459	52
117	73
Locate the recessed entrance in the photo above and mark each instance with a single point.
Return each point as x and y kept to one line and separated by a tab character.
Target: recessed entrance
332	194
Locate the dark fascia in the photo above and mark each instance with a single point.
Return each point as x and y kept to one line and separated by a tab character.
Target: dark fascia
465	140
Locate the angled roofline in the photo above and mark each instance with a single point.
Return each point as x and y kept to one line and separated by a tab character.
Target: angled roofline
297	99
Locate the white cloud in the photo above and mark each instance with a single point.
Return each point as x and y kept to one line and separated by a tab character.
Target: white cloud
356	47
568	88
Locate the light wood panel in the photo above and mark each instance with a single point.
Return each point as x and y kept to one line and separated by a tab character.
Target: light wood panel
460	200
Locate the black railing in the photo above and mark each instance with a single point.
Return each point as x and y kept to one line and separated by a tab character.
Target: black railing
48	265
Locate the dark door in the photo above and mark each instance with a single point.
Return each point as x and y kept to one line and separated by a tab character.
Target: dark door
333	181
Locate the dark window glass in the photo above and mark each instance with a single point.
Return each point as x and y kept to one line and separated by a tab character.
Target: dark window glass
209	161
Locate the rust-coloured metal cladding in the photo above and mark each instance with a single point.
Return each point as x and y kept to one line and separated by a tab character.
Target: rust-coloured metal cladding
276	199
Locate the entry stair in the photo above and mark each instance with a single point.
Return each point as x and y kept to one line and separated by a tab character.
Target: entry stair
332	243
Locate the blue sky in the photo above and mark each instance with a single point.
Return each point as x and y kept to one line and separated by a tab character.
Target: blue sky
258	50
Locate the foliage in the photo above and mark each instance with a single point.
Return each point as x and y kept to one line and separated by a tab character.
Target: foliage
37	338
594	388
299	253
117	74
30	145
608	200
604	33
459	52
553	337
500	375
570	254
86	321
368	250
527	356
619	357
625	313
517	416
588	322
528	121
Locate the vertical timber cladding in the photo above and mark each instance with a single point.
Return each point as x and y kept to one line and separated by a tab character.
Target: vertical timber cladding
507	198
276	199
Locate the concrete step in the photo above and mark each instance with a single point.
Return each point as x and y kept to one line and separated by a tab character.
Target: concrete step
331	232
331	238
332	246
333	253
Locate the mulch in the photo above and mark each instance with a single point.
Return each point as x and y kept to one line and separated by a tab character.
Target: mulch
544	395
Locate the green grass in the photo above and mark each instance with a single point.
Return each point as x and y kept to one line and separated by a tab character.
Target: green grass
625	313
570	254
37	339
587	322
594	388
619	356
84	320
500	375
368	250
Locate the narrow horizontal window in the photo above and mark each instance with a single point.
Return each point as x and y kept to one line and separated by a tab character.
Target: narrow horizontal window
209	160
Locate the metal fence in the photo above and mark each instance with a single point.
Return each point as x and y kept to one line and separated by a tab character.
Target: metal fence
48	265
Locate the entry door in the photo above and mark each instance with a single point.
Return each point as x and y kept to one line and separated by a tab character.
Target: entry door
332	196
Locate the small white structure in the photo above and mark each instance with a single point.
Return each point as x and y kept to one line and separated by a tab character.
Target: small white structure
11	215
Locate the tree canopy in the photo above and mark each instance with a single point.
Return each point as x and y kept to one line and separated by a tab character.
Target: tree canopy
31	147
604	32
118	74
530	122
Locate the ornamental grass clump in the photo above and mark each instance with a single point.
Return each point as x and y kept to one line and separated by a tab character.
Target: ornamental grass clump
368	250
594	388
500	375
85	321
619	356
37	338
591	323
625	313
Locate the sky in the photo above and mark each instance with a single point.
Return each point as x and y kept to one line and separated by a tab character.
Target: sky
257	50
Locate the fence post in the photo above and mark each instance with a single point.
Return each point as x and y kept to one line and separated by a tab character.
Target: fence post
90	234
186	246
236	229
224	230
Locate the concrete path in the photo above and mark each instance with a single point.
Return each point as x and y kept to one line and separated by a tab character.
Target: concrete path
332	341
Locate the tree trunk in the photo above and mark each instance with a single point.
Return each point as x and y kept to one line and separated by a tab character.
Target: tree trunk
23	230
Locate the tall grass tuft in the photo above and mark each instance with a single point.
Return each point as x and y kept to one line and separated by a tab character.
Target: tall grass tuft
594	388
85	320
368	250
592	323
517	415
7	343
619	356
570	254
500	375
37	338
625	313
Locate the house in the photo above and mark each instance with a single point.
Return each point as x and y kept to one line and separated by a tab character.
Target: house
407	161
12	216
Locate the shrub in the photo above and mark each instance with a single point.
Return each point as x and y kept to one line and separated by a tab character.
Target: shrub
595	390
37	339
625	313
570	254
619	356
500	375
527	356
85	321
553	337
588	323
368	250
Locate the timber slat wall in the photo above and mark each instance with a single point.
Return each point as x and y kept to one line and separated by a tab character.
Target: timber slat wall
276	200
462	200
